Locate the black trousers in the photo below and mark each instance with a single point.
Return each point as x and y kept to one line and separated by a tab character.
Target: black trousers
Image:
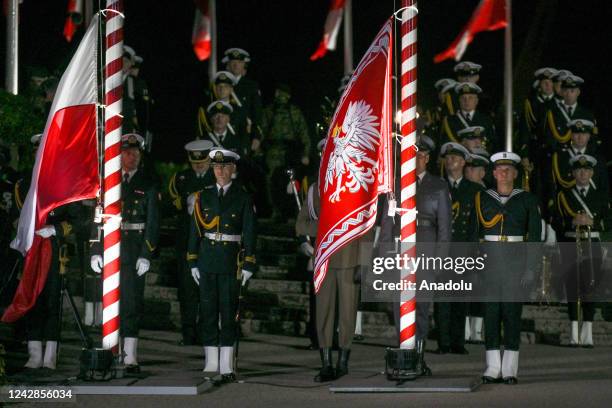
450	321
42	322
219	300
572	279
508	316
132	286
189	298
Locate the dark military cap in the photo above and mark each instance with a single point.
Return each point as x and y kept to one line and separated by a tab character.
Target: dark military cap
223	156
472	132
506	158
425	144
476	160
235	54
581	126
132	140
224	77
464	88
560	75
583	161
545	73
219	107
466	68
571	81
198	150
454	148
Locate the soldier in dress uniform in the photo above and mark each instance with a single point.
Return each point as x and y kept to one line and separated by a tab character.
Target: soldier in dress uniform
556	130
183	184
557	79
450	316
236	61
580	143
444	107
535	106
139	238
506	216
222	89
476	166
42	322
582	209
467	116
222	135
221	256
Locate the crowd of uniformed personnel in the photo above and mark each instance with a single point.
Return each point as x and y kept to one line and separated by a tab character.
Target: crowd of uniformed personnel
553	188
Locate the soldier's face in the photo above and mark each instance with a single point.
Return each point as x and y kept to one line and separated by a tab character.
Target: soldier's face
570	95
474	174
223	173
223	90
557	87
201	166
546	86
472	143
580	139
453	162
236	67
422	158
468	102
582	176
220	121
130	158
505	173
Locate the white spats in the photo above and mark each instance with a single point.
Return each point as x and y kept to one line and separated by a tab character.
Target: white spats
493	369
510	364
130	347
227	360
574	334
35	353
50	360
586	334
212	359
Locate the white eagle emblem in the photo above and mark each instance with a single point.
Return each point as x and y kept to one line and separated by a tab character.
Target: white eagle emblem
352	141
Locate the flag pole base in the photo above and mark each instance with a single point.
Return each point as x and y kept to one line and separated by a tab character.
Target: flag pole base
401	364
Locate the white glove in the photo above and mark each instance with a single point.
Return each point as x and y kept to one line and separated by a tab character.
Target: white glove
142	266
190	203
290	187
306	249
96	263
195	272
46	231
246	275
551	236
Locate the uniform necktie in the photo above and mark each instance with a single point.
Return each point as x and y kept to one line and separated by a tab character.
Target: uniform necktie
126	178
468	116
583	192
220	193
455	184
569	111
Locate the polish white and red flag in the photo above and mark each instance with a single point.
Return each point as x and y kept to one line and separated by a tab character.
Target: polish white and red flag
200	37
74	18
330	30
490	15
65	169
356	164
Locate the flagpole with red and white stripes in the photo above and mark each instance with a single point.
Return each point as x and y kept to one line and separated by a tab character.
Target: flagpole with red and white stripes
408	82
113	82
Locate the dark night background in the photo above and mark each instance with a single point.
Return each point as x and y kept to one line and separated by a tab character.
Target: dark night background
281	35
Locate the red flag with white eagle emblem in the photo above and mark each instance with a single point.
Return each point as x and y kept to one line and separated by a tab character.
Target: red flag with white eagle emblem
356	160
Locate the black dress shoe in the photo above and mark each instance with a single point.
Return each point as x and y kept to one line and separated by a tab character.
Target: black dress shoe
490	380
588	346
132	369
441	350
459	350
510	380
358	337
573	345
227	379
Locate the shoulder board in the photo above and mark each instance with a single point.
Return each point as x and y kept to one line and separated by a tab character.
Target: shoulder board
208	187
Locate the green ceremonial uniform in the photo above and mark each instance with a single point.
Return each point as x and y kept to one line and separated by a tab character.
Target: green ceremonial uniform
555	129
229	140
221	243
507	264
450	316
182	185
569	203
561	172
139	238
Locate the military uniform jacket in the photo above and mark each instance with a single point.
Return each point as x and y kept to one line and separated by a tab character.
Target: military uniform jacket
232	215
451	125
519	216
231	141
248	92
561	170
568	205
238	117
555	130
464	224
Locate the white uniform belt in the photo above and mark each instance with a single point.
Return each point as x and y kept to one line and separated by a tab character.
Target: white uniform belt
217	236
128	226
583	234
504	238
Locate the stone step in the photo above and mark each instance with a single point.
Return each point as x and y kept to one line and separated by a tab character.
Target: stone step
275	314
278	286
288	261
281	229
287	328
165	293
276	244
272	272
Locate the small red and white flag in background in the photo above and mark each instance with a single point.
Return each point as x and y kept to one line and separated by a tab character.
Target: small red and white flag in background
65	170
490	15
356	163
200	38
330	31
74	18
